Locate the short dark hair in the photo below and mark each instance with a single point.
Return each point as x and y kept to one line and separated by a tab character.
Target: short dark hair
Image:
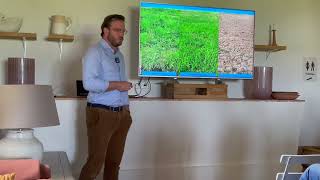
109	19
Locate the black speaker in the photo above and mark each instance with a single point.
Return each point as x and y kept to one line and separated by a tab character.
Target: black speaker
80	90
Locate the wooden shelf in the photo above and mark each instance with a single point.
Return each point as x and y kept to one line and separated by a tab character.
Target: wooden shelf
65	38
269	48
15	35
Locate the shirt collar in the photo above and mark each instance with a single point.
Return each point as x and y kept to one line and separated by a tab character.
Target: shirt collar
105	45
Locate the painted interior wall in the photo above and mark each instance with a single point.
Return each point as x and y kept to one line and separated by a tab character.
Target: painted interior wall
167	142
296	22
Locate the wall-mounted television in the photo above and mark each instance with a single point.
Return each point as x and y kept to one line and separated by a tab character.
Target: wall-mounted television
182	41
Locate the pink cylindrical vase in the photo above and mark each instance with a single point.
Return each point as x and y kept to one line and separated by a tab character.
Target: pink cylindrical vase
21	71
260	87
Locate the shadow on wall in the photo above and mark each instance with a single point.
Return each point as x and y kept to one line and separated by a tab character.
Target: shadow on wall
69	69
173	146
3	65
252	150
234	160
159	145
2	133
81	149
133	58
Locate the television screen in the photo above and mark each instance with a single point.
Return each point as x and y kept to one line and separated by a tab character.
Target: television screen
195	42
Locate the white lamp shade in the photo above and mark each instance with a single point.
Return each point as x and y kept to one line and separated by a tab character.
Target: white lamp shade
27	106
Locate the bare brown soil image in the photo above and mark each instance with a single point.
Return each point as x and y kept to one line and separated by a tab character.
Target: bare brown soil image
236	44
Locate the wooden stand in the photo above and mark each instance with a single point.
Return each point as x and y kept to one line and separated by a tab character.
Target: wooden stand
274	39
196	91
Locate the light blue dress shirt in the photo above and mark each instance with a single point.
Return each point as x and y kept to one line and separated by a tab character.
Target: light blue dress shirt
99	68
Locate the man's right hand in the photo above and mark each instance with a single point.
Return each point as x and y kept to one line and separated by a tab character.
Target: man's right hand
119	85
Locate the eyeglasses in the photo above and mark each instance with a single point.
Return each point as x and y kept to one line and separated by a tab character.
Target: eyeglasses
124	31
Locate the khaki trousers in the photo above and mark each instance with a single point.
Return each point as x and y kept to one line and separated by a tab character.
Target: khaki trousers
107	132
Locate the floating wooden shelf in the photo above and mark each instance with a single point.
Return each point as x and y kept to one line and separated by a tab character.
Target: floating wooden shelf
15	35
269	48
65	38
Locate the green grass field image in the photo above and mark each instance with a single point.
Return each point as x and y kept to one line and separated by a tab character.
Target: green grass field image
179	41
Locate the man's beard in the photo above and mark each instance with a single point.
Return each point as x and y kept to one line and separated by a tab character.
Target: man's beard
115	43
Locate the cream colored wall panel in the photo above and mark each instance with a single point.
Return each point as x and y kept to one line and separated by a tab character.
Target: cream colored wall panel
193	140
296	21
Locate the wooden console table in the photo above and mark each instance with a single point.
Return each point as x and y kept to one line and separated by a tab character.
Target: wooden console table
59	165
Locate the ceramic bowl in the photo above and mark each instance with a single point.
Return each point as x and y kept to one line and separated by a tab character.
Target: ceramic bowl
285	95
11	24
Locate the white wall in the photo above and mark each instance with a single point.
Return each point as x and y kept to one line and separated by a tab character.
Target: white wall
295	20
172	140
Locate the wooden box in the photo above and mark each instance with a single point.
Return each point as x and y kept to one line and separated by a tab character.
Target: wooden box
196	91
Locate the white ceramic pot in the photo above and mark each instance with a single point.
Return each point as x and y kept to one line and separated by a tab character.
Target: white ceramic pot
60	24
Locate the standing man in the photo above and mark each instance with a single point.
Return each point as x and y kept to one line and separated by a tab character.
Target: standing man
107	115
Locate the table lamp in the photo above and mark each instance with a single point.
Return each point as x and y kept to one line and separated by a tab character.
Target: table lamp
23	107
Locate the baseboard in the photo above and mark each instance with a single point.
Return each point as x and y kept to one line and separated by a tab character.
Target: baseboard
221	172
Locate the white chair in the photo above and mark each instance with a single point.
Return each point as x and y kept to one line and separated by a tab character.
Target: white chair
295	159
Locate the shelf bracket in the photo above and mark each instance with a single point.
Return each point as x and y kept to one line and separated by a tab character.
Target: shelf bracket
24	43
268	54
